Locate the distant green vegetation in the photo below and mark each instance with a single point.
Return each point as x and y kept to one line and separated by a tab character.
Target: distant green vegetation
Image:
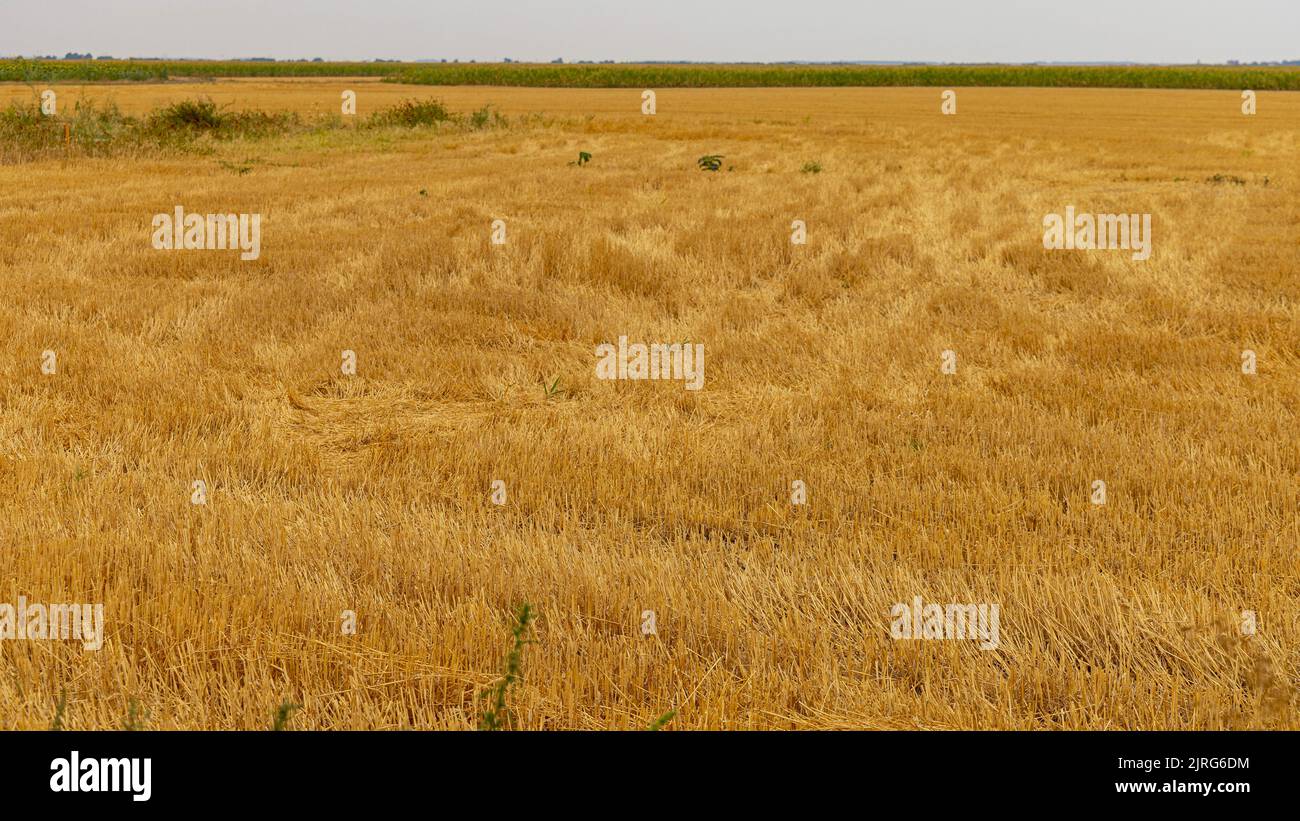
623	75
53	71
91	130
728	76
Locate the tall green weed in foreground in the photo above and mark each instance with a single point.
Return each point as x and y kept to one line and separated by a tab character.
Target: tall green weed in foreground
497	715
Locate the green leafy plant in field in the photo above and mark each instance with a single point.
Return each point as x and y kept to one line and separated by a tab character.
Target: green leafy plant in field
497	716
192	118
412	114
426	113
485	117
135	717
199	115
662	721
283	713
811	168
93	128
583	158
25	124
553	390
25	133
710	162
59	707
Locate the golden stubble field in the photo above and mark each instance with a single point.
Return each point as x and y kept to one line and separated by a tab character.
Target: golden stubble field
371	493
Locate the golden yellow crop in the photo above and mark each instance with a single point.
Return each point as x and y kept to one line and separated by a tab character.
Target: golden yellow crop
475	364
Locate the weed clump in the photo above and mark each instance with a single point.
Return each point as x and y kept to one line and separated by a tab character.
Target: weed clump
411	114
485	117
194	115
431	113
197	117
27	134
497	717
710	162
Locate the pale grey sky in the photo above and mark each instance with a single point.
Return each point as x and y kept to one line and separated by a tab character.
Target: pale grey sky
722	30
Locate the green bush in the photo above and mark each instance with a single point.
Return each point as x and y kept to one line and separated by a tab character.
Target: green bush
198	115
190	118
485	117
189	125
411	114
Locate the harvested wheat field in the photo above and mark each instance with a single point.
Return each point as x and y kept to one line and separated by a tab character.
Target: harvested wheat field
919	401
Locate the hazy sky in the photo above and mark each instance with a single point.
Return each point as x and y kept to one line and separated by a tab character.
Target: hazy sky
724	30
